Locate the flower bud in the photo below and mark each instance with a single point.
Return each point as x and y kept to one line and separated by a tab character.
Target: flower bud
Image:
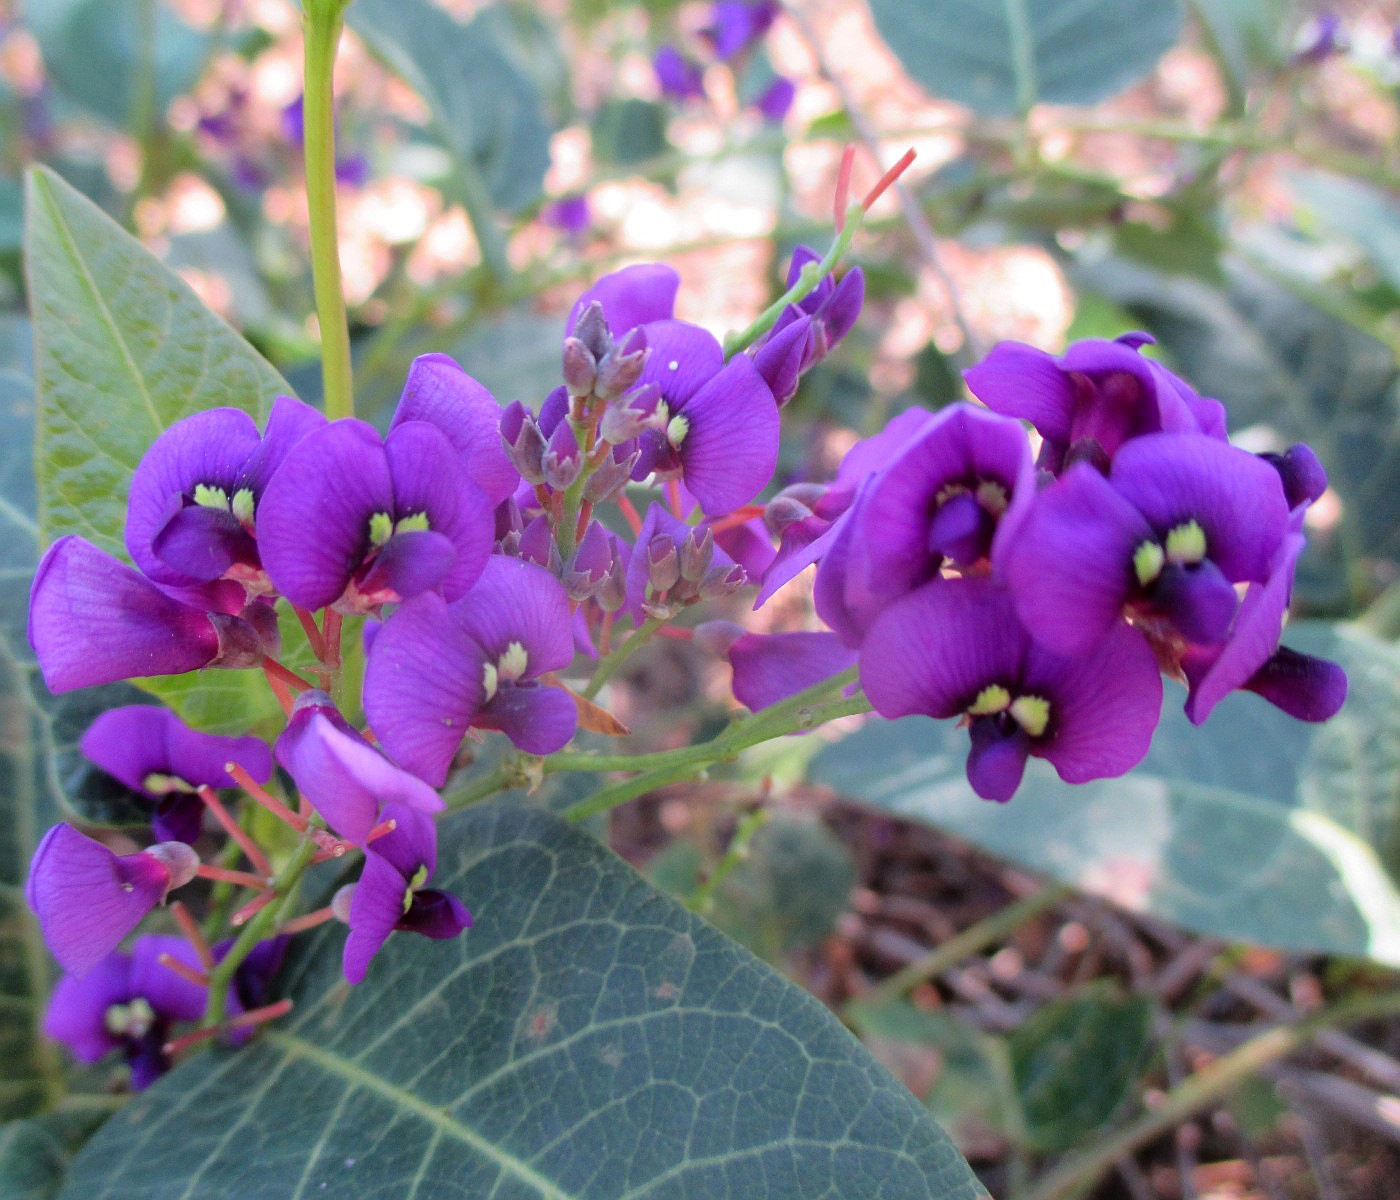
624	419
794	503
663	564
537	545
591	329
695	555
562	460
241	643
612	592
525	444
340	903
610	478
179	859
580	367
721	581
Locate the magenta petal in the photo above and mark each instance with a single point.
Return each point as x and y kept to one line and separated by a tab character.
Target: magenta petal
77	1011
435	914
411	562
313	523
772	667
375	908
203	543
682	359
208	447
1017	380
1199	601
537	718
94	620
1306	688
1069	565
633	296
423	685
1236	497
517	601
1104	705
439	391
346	779
932	651
411	845
731	446
87	898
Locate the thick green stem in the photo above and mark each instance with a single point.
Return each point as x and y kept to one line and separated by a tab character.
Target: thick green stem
609	663
262	923
324	21
1076	1174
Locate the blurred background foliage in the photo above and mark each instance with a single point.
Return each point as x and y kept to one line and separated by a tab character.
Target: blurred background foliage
1224	174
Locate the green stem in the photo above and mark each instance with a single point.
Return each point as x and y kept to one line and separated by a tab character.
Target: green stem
481	214
324	21
803	711
1076	1174
972	940
495	780
703	901
811	275
610	662
262	923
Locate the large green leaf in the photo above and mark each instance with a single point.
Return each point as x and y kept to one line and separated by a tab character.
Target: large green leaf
1003	56
1253	827
484	108
123	349
587	1038
31	1162
104	53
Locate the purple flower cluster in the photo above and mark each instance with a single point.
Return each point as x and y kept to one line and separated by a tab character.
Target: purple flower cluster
734	28
1041	602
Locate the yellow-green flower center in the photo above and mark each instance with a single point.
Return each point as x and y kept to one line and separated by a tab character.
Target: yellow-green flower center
208	496
161	784
506	669
1186	544
133	1020
1031	713
382	526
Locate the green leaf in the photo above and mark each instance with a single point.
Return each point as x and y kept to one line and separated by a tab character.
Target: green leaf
1254	827
1356	213
98	53
1076	1062
32	1162
586	1038
1003	56
628	130
485	110
123	349
1244	37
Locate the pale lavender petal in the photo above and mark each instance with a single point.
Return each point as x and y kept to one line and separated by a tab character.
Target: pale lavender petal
439	391
94	620
423	685
313	524
935	649
772	667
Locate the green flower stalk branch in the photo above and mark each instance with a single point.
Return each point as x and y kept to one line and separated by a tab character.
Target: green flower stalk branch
324	22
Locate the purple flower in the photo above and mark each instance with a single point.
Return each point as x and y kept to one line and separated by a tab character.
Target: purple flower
771	667
1093	399
438	391
191	516
437	668
390	894
251	986
158	756
679	77
344	778
809	330
776	99
1250	657
127	1003
94	620
570	215
87	898
355	520
1180	520
716	424
633	296
674	565
1319	39
963	479
735	25
955	648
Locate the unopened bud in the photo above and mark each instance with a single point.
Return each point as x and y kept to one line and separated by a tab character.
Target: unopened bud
592	330
241	644
794	503
610	478
562	460
663	564
580	367
618	372
612	592
722	580
340	903
525	444
537	543
695	555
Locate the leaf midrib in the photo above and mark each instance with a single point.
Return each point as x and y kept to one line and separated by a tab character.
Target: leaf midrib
440	1120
